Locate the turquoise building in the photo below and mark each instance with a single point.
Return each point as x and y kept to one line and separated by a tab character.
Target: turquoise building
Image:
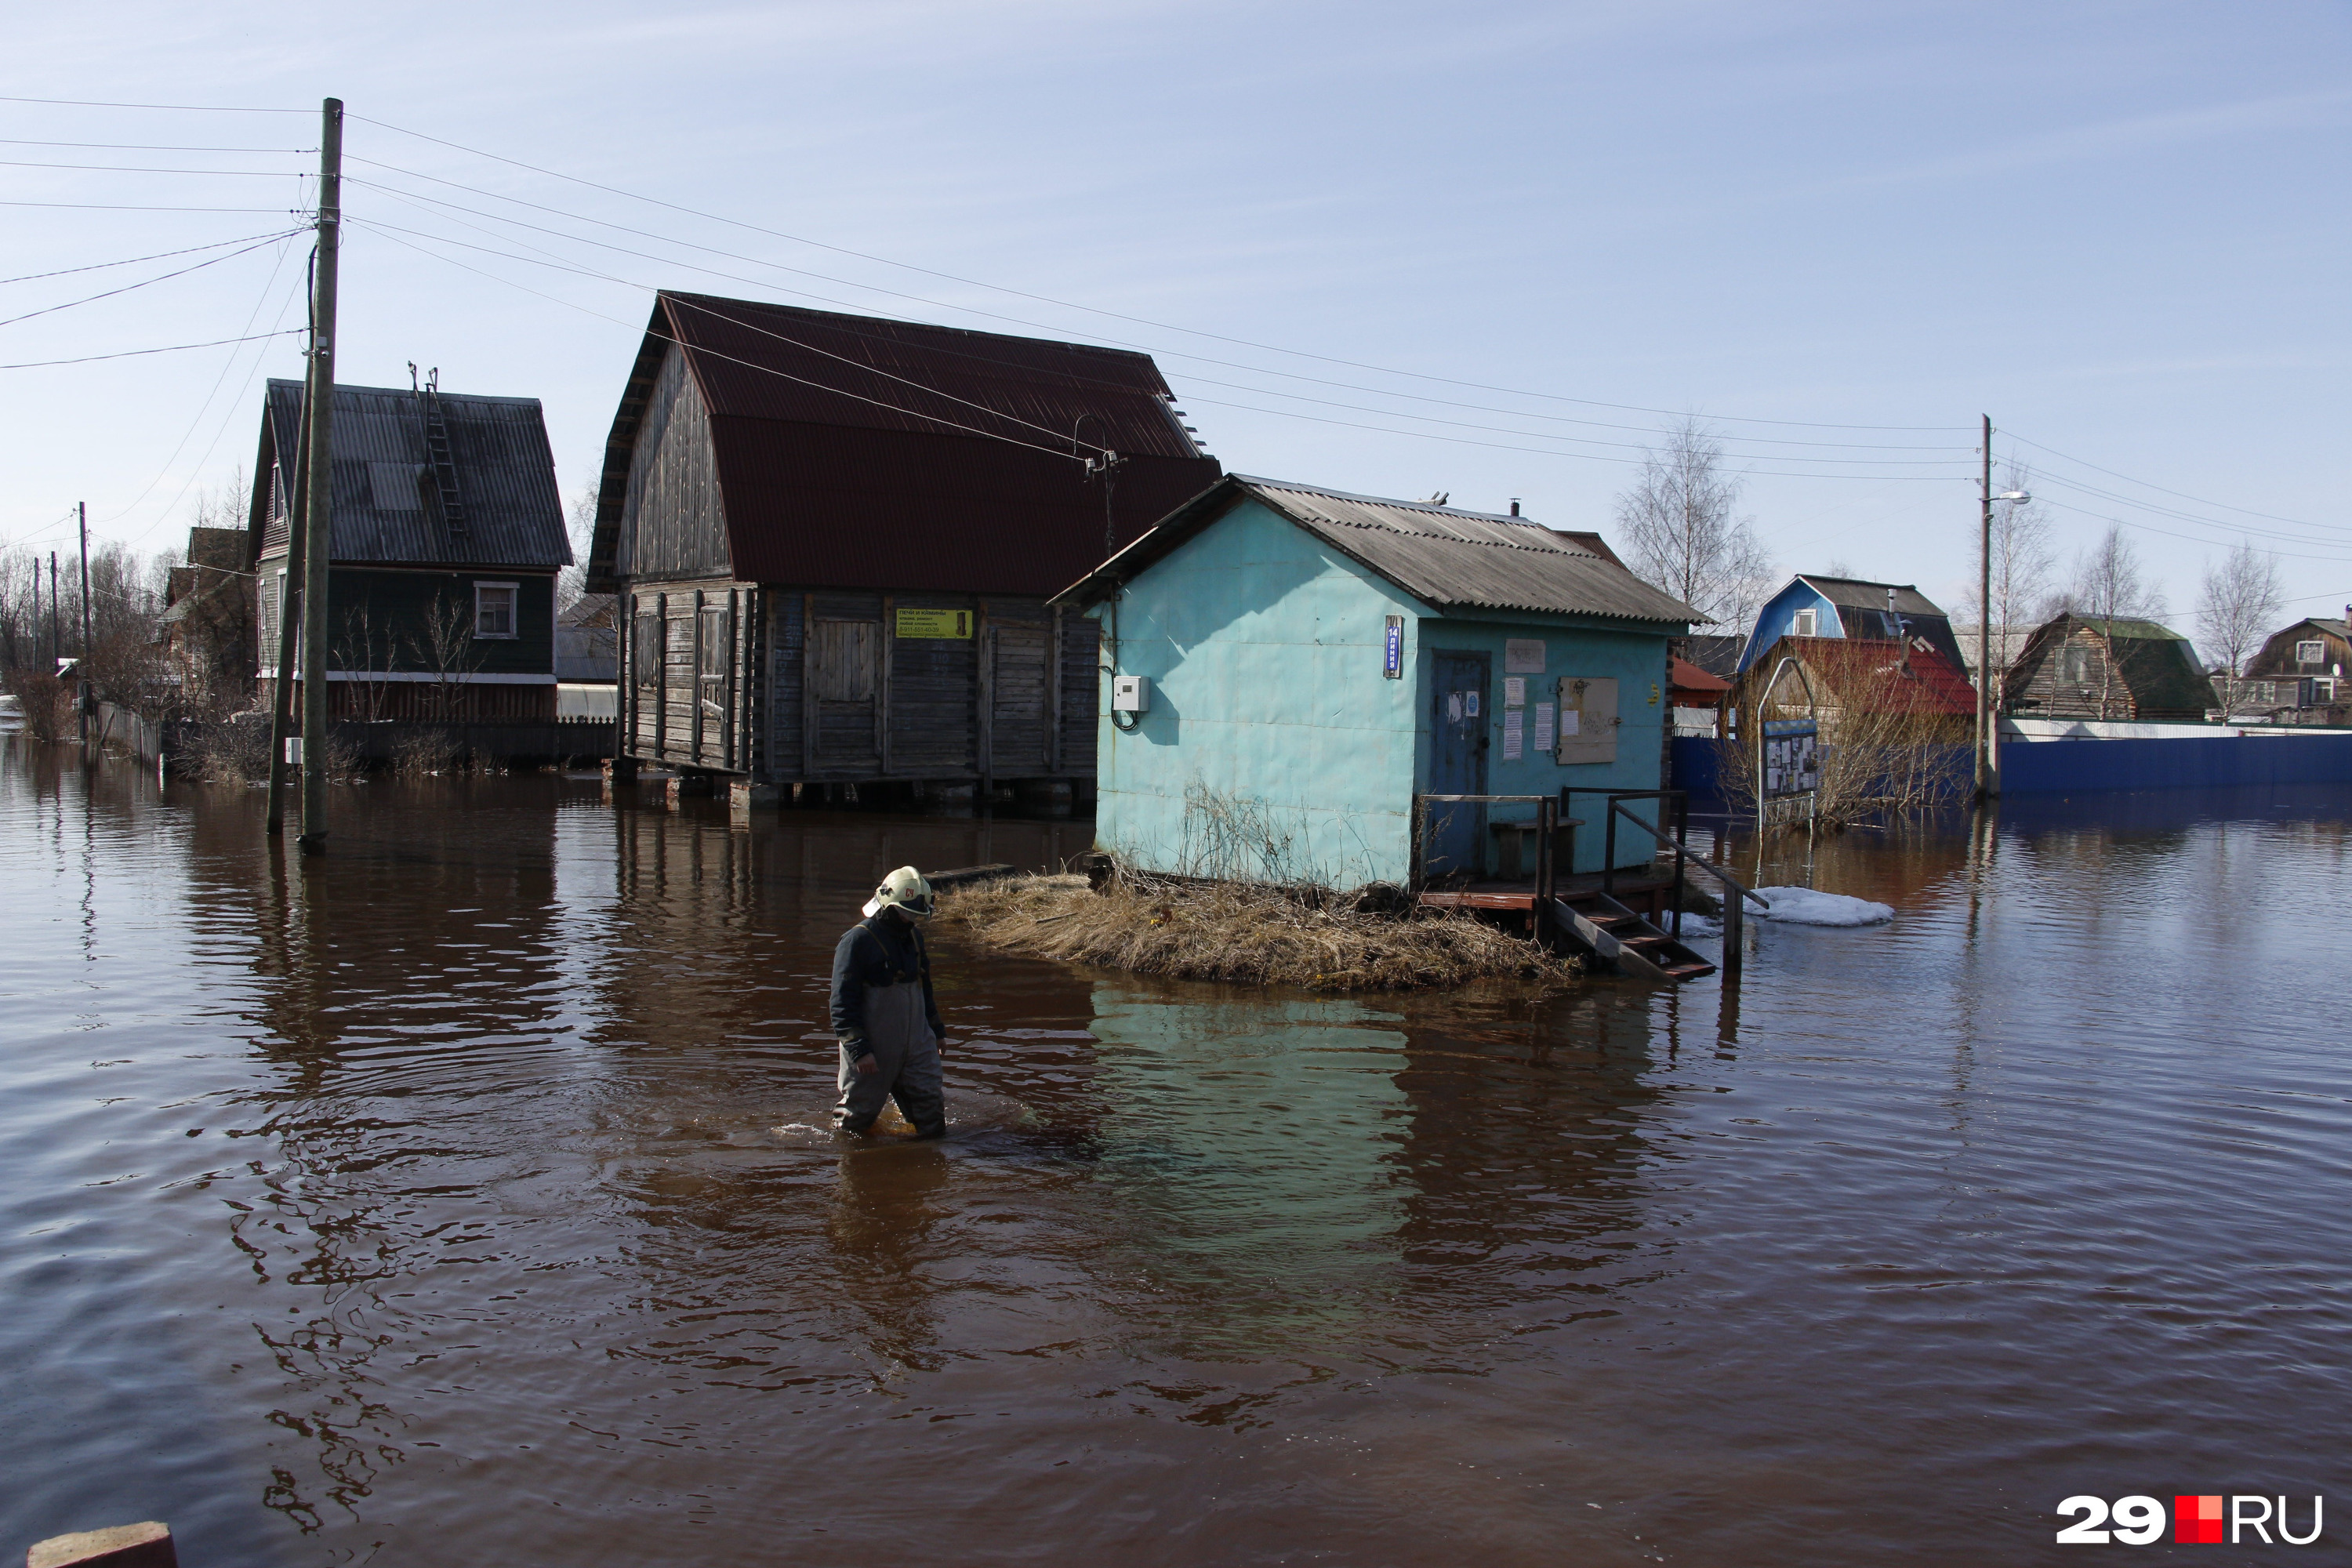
1287	668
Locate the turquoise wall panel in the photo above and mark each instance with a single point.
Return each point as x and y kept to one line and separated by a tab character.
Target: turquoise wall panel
1274	746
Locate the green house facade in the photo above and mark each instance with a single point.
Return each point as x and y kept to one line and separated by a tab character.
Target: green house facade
1310	661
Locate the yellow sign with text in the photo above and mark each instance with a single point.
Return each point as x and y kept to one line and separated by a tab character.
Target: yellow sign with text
934	623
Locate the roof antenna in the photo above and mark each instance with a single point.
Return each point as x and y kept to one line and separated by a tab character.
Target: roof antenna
432	378
412	376
1437	498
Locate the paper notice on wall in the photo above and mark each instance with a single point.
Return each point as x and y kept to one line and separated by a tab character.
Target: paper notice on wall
1515	691
1569	724
1515	735
1522	655
1470	704
1454	707
1543	742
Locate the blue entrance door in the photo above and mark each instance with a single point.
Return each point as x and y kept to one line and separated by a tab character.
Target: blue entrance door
1457	763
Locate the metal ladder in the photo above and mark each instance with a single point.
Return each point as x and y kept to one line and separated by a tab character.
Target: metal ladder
438	458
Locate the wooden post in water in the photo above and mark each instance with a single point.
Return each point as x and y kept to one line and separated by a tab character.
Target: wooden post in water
320	444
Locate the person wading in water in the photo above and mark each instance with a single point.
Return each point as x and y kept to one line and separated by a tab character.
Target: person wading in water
883	1013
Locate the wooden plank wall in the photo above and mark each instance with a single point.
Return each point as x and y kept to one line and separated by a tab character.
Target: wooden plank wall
697	710
997	704
673	524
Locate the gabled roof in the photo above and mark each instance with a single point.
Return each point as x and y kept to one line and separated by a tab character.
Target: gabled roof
858	452
1859	593
1873	676
2154	662
385	506
1448	559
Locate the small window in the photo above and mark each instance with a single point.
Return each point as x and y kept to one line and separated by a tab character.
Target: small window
2073	664
645	649
1806	621
2310	652
494	609
717	630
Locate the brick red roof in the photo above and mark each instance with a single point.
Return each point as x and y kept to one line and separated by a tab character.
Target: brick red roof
1870	675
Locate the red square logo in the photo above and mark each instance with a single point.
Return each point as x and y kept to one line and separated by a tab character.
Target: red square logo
2197	1521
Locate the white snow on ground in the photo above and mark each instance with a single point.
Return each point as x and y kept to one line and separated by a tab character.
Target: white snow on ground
1806	907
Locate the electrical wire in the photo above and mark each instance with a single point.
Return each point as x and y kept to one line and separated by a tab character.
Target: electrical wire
120	208
132	354
150	147
2190	538
992	315
1141	321
127	287
2179	495
159	256
187	108
141	169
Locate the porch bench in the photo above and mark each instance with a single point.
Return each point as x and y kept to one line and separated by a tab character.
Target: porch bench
1515	848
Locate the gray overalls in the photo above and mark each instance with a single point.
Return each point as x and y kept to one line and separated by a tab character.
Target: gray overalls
882	1008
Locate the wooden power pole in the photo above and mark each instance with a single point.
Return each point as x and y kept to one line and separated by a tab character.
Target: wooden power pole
319	408
81	664
1987	770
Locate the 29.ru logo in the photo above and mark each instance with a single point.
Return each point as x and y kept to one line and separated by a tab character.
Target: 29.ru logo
2196	1521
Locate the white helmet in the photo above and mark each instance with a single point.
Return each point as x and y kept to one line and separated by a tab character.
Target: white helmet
903	890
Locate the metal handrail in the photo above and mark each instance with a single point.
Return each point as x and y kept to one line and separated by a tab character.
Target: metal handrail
1546	824
1735	921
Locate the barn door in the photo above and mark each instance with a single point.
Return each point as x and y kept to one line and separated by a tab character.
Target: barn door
1017	723
845	666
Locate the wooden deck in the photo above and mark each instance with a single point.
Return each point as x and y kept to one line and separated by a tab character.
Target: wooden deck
1639	890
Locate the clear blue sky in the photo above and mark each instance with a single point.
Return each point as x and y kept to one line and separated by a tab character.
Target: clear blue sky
2120	229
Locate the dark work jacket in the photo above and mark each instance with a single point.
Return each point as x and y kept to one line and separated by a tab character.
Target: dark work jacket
880	950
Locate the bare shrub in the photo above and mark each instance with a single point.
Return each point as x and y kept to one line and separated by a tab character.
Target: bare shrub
1888	747
46	702
1246	931
232	753
422	753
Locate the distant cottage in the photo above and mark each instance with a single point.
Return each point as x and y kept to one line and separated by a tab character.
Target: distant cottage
834	538
1293	666
2306	665
445	535
1814	605
2074	666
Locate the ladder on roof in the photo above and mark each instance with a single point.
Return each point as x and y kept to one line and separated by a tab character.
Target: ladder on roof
444	466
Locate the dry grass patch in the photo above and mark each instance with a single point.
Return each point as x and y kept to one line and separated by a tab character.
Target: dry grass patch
1242	931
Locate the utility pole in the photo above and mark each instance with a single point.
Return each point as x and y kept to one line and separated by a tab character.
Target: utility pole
81	665
57	648
318	525
1988	768
281	706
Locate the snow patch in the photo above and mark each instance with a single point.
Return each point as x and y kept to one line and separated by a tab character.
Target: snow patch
1807	907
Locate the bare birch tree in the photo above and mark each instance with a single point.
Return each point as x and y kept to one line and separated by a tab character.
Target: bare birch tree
2110	586
2240	602
1682	533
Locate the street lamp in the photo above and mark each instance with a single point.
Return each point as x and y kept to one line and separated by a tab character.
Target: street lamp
1988	735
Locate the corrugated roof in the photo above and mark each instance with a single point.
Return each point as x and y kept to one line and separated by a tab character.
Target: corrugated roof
1862	594
860	452
384	507
1447	558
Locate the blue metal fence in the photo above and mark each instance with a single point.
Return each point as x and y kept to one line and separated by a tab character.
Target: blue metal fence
2057	767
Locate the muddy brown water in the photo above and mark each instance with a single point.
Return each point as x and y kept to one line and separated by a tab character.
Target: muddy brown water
458	1199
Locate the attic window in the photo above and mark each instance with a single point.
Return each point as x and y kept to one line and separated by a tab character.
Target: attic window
494	609
2311	652
1806	621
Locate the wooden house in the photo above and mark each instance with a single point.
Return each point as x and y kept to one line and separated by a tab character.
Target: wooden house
2307	665
207	624
1910	679
445	535
2074	666
1302	664
833	539
1814	605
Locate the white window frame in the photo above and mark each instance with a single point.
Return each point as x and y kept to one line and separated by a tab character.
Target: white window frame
514	612
1805	622
2315	651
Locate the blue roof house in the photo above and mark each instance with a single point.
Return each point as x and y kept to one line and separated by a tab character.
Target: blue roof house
1812	605
1310	660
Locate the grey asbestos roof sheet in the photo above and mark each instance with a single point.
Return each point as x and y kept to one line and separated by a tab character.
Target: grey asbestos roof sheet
1855	593
506	477
1470	560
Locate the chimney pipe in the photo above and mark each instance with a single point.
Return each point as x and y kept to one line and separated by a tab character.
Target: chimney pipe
1515	511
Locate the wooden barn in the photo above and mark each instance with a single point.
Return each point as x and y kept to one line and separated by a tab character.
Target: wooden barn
835	537
2075	667
445	535
2304	666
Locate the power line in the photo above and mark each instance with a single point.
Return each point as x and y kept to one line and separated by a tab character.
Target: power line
451	207
2175	514
187	108
141	169
2192	539
1115	315
127	287
2143	484
118	207
132	354
134	260
150	147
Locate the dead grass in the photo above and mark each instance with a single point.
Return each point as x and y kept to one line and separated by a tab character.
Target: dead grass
1242	931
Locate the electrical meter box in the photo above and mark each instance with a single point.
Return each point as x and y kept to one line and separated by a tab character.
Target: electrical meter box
1130	694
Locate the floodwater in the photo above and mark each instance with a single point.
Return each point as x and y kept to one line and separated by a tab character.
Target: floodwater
456	1199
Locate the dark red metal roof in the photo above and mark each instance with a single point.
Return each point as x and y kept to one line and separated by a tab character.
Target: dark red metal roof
1874	675
857	452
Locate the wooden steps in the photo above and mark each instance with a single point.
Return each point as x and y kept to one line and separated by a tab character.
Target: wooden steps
1620	940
